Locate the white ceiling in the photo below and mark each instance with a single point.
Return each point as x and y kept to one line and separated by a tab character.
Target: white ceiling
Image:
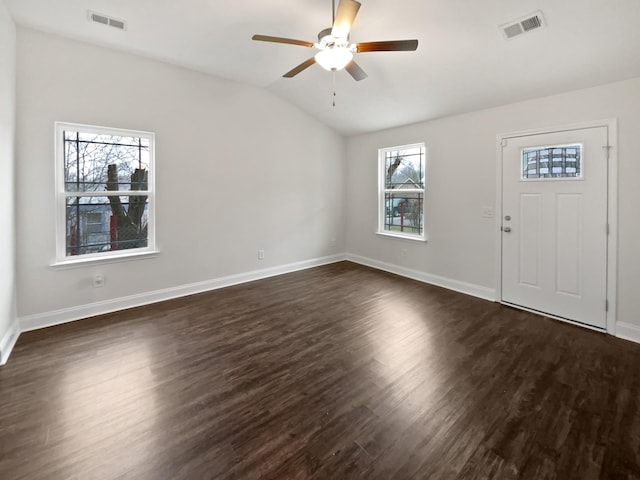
463	62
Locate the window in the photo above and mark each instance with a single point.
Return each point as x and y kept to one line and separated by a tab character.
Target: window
552	162
401	191
94	222
104	179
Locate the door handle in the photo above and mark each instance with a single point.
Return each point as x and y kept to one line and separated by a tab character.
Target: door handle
506	229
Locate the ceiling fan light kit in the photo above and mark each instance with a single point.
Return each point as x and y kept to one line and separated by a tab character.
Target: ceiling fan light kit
335	51
334	58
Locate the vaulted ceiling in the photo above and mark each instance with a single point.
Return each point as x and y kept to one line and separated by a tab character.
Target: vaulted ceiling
463	61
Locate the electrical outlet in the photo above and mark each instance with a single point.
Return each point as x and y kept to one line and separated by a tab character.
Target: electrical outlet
98	280
487	212
260	254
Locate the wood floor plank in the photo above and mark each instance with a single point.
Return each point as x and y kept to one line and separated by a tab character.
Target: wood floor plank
339	371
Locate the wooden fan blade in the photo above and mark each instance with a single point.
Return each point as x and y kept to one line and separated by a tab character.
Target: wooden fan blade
303	66
289	41
355	71
391	46
345	16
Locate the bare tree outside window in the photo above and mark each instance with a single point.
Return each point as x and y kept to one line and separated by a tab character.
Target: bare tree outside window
402	191
106	188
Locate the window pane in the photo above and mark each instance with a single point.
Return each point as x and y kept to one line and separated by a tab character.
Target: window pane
403	212
552	162
103	224
94	162
94	222
404	168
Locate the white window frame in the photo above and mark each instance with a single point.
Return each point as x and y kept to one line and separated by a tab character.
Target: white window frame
62	259
382	175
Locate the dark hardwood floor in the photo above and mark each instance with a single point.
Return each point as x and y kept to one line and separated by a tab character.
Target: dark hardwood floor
335	372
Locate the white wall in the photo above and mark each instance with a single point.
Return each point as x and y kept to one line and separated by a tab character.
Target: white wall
461	178
237	170
8	326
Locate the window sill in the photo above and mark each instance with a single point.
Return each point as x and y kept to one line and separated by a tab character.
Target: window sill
85	262
412	238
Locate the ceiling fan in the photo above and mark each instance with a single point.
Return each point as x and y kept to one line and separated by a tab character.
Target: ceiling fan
335	50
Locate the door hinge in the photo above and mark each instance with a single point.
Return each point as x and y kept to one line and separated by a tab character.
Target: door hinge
608	230
606	305
607	148
504	142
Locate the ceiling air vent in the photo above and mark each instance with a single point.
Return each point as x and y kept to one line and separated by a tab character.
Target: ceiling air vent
525	24
106	20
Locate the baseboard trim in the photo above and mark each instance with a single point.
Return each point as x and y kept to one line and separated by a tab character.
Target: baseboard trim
57	317
628	331
27	323
451	284
8	341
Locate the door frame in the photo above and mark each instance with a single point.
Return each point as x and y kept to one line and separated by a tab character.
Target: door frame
612	210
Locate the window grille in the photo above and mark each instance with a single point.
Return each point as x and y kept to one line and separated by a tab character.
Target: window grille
402	190
552	162
105	191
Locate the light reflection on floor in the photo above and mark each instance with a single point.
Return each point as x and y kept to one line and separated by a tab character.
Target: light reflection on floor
113	396
401	342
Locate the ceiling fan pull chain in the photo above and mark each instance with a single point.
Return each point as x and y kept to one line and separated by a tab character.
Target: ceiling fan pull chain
334	87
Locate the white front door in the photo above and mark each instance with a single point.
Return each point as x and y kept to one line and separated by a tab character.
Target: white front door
554	225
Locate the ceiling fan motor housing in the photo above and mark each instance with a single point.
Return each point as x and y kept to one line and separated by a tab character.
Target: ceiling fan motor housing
326	40
324	33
